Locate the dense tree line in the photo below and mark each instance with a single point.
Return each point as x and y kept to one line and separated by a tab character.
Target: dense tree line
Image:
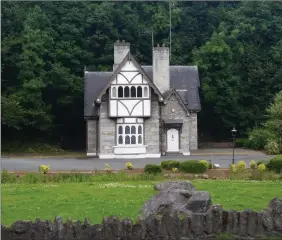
46	45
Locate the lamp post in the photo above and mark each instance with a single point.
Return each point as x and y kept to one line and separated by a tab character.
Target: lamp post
233	131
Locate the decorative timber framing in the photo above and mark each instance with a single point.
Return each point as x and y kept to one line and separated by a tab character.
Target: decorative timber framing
129	57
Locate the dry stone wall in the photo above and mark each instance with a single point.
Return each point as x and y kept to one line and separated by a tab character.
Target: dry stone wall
173	219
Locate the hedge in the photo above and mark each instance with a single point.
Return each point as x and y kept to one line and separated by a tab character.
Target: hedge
170	164
193	166
153	169
275	164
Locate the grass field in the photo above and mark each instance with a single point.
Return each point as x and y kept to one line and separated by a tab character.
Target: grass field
124	199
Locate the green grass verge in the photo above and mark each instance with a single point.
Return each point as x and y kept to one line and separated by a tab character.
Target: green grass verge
124	199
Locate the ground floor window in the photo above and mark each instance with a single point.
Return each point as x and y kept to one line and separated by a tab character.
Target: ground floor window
129	134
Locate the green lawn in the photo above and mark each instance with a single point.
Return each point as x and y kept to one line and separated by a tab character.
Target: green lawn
125	199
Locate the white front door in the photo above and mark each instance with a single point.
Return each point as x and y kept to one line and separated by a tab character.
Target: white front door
172	140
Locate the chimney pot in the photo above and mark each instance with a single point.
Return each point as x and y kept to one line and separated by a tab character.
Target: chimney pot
163	45
158	45
123	41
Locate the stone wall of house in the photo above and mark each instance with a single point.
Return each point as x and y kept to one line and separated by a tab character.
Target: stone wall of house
173	110
152	129
193	131
241	225
91	136
107	131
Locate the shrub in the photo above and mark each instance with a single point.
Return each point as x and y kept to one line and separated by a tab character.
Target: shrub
107	167
153	169
240	166
233	168
275	164
174	170
272	147
258	138
262	167
170	164
205	163
44	169
129	165
253	164
193	166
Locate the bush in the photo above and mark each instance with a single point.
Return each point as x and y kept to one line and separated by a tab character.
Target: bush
241	166
258	139
275	164
272	147
107	167
44	169
193	166
175	170
153	169
129	165
205	163
170	164
262	167
253	164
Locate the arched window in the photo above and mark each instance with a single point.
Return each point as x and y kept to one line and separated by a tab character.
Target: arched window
127	130
139	139
133	129
120	92
126	92
133	91
127	140
139	130
139	91
114	92
133	139
120	140
120	130
145	91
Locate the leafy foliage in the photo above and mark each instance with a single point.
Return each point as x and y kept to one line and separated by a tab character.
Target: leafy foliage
46	45
153	169
193	166
170	164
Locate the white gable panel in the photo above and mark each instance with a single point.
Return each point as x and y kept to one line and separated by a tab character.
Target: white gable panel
122	110
129	120
113	108
114	81
137	79
121	79
120	120
130	104
147	108
138	109
129	66
145	81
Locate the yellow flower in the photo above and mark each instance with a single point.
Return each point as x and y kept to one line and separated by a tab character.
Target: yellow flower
44	168
261	167
233	168
174	170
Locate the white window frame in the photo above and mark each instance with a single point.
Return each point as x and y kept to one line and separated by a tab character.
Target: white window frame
123	125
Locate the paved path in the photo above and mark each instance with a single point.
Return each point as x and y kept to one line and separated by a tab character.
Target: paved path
223	158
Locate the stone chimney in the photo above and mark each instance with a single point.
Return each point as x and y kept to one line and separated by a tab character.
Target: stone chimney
121	48
161	67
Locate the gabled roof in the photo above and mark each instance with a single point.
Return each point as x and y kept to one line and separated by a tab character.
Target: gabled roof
184	79
172	91
129	57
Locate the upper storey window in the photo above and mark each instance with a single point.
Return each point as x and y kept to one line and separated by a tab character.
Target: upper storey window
130	92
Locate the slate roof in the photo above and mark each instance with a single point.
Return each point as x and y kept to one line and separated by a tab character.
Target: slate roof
185	79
